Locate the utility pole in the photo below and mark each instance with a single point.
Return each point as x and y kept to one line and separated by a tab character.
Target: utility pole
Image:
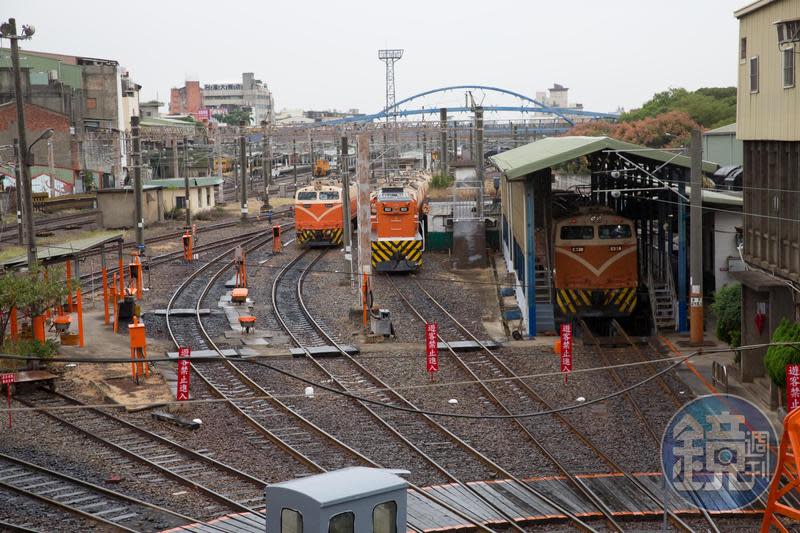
136	160
266	160
176	169
364	246
696	240
424	151
186	184
294	158
9	31
18	187
479	164
347	227
243	167
443	141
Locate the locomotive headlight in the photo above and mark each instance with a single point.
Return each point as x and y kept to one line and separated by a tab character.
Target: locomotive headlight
615	174
616	193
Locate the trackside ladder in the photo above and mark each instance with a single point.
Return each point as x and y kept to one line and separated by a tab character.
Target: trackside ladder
663	301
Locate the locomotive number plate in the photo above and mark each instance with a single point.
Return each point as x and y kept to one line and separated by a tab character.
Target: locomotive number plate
615	248
577	249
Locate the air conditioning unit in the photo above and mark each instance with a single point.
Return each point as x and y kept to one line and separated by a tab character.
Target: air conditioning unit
52	75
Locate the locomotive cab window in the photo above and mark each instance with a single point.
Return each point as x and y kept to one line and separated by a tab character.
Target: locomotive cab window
307	195
404	210
329	195
577	233
291	521
384	518
387	209
615	231
342	523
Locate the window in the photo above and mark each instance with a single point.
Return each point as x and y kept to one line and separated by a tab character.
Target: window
404	210
342	523
387	209
743	49
208	196
614	231
754	74
291	521
788	68
180	202
329	195
384	518
91	103
572	233
307	195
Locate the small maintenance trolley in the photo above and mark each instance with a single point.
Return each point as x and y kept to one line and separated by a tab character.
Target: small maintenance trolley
343	501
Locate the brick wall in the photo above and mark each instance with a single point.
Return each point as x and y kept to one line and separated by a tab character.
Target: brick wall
37	120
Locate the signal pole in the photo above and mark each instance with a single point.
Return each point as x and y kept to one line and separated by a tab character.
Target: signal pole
696	240
136	160
294	159
443	131
346	215
18	187
266	160
243	168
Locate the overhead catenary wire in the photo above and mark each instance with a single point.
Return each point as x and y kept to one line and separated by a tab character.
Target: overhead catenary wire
678	361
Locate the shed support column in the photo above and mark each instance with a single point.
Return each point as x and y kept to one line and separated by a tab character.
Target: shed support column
683	322
530	257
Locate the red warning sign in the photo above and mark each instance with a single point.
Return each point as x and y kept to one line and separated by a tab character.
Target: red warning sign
432	346
566	349
182	390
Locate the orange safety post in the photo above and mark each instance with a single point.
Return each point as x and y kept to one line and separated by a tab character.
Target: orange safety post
138	341
79	298
187	246
788	469
38	328
135	277
114	299
69	286
14	325
105	296
277	247
121	290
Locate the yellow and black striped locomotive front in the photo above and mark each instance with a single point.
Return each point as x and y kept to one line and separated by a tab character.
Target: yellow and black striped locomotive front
596	267
320	237
399	255
617	302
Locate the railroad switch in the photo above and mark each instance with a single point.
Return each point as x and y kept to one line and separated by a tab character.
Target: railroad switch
138	341
248	323
277	247
188	242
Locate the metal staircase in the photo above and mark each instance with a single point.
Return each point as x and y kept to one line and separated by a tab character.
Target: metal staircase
542	279
663	301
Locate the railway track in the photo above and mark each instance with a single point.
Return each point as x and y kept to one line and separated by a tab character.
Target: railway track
442	449
41	225
232	489
103	509
518	392
271	419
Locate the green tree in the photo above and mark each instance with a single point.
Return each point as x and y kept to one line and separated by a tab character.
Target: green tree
710	107
30	293
234	116
779	356
727	307
667	130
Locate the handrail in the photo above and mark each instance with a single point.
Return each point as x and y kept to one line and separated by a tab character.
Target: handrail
719	375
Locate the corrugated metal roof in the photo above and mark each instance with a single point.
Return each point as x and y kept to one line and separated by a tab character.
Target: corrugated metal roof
344	484
553	151
723	130
53	253
178	183
753	6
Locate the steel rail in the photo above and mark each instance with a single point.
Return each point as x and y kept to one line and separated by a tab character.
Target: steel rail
456	439
155	440
6	482
577	483
534	395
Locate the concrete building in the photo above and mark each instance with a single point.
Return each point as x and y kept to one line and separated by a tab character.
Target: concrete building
95	95
768	106
250	93
116	206
187	99
202	193
150	109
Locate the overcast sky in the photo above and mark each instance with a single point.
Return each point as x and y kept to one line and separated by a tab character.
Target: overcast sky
323	54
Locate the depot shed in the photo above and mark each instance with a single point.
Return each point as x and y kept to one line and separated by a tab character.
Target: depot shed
202	193
653	184
348	500
116	206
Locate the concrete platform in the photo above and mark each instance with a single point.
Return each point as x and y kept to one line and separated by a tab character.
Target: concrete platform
469	346
323	351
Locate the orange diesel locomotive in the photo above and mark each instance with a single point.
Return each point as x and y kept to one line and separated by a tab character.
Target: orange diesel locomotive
596	270
318	214
399	214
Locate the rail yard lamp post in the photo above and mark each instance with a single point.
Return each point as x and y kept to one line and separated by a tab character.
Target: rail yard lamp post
9	31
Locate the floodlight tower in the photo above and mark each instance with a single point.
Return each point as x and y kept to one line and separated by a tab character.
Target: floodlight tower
389	57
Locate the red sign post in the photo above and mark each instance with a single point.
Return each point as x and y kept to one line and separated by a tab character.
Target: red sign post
432	347
8	380
792	386
566	350
182	390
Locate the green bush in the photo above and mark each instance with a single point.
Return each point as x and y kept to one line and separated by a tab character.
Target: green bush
31	348
779	356
727	307
441	181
